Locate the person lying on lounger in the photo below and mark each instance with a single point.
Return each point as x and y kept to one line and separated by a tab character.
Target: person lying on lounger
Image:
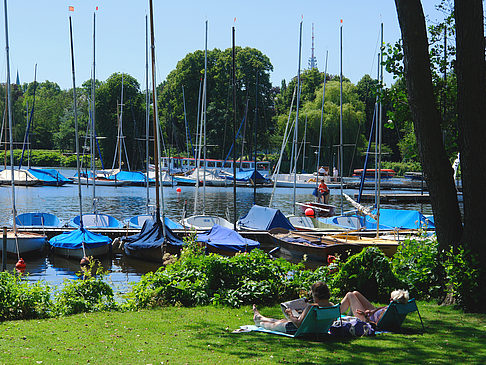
364	310
320	294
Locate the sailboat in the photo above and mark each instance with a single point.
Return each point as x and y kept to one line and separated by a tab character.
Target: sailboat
203	221
79	243
17	243
155	238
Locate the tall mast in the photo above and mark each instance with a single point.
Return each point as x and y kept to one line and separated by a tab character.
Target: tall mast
76	127
120	129
296	130
380	132
154	101
234	125
320	126
147	115
255	135
185	122
205	115
341	114
10	124
93	135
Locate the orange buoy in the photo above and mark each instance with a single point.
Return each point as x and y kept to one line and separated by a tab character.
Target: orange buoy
178	190
309	212
20	265
84	261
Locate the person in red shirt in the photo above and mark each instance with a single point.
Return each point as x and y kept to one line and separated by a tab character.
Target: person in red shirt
323	192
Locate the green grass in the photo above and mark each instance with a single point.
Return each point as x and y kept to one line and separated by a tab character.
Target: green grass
203	335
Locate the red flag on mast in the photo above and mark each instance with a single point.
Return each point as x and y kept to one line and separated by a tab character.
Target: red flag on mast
71	8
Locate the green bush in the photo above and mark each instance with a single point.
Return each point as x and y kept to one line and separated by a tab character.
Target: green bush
198	279
20	299
463	278
417	264
87	294
370	273
401	168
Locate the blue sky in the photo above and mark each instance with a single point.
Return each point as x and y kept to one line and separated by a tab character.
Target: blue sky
39	34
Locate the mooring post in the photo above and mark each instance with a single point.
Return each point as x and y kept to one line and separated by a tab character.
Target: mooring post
4	249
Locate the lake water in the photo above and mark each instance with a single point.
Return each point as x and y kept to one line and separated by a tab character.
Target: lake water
124	202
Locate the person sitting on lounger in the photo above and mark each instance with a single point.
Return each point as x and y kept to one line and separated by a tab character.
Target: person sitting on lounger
320	294
364	310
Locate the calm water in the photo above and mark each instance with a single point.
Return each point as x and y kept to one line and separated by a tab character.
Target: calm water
123	202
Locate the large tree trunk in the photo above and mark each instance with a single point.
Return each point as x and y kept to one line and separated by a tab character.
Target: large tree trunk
427	120
471	100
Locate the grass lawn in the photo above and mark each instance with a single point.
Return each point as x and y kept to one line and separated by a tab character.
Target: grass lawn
203	335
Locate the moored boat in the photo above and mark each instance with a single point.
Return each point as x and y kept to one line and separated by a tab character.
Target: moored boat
80	243
38	220
24	243
225	241
204	222
95	220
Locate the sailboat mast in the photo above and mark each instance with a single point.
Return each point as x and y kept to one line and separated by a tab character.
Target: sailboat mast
76	127
380	132
154	100
10	124
255	136
147	115
185	121
92	141
303	144
205	115
234	126
341	113
120	129
296	130
320	127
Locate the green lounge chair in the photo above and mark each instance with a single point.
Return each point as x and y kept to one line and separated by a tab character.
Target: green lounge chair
316	322
395	314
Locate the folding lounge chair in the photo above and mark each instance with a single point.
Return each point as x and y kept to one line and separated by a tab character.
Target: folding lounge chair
395	314
316	322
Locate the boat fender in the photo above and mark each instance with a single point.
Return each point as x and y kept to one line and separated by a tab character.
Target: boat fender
84	261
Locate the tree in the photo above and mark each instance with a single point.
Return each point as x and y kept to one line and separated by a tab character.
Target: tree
470	71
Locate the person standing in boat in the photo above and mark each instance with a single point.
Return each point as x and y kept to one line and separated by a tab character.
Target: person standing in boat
322	192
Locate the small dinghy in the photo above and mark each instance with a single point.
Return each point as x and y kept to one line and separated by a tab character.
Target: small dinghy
203	222
263	219
37	220
96	221
138	221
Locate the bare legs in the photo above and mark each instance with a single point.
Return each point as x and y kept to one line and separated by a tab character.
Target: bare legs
355	300
268	323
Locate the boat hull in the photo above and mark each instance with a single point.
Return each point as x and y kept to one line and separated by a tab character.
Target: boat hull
78	253
203	222
28	243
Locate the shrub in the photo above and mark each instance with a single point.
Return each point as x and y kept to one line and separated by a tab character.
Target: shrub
369	272
463	278
87	294
20	299
417	264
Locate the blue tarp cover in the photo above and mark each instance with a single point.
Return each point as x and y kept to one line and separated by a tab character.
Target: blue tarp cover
48	175
227	239
264	219
151	236
353	221
132	176
404	219
247	175
74	240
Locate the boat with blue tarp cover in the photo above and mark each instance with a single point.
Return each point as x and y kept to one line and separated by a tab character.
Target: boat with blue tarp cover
263	219
38	220
247	177
137	222
135	178
49	176
80	243
226	241
390	219
152	242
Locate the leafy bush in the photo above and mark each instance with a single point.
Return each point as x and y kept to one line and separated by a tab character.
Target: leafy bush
401	168
87	294
20	299
198	279
417	264
463	278
369	272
